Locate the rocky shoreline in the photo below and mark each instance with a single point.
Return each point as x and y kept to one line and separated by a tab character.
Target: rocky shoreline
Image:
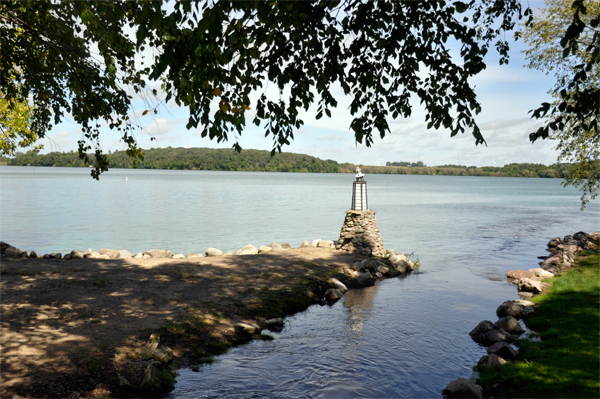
150	367
499	335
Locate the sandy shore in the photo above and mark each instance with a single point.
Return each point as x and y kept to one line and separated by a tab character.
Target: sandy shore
73	325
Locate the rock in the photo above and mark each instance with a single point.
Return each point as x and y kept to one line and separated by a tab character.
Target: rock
112	253
553	243
139	255
286	245
194	255
305	244
213	252
12	252
325	244
179	256
504	350
46	256
315	242
568	239
539	272
581	236
523	302
275	247
4	246
229	253
551	261
274	324
590	246
527	310
24	254
509	308
517	274
67	256
159	253
490	361
75	254
55	255
263	249
123	254
88	252
524	294
463	388
163	355
383	269
337	284
96	255
152	382
510	325
33	255
247	328
366	275
410	265
247	250
333	294
351	273
486	333
530	285
594	236
152	344
123	382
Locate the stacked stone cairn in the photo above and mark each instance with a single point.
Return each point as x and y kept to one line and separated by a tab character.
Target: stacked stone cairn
360	234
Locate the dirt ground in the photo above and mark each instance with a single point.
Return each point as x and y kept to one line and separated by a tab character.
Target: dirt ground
68	325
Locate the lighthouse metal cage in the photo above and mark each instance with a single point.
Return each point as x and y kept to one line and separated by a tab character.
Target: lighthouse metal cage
359	195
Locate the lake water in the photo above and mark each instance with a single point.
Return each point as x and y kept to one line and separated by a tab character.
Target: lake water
404	337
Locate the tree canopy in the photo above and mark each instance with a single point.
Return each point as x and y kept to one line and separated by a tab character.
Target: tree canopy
217	58
15	126
565	39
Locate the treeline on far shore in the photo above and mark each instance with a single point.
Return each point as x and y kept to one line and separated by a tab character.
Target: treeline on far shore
262	161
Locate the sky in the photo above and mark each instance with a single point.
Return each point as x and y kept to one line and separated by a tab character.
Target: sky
506	94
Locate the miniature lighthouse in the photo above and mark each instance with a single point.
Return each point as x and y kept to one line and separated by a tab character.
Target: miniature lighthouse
360	233
359	192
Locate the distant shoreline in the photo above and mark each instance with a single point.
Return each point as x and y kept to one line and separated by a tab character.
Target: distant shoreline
262	161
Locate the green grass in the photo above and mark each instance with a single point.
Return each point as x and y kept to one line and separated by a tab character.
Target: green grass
566	364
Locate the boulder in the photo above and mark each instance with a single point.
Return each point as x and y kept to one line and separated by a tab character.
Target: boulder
275	247
504	350
551	261
351	273
527	310
486	333
325	244
463	388
568	239
524	294
112	253
539	272
213	252
152	383
96	255
55	255
335	283
510	325
139	255
315	242
490	361
333	294
88	252
46	256
305	244
67	256
509	308
517	274
24	254
123	254
33	255
553	243
163	355
75	254
247	250
229	253
581	236
247	328
194	255
263	249
159	253
274	324
286	245
12	252
383	269
179	256
4	246
594	236
523	302
410	265
530	285
590	246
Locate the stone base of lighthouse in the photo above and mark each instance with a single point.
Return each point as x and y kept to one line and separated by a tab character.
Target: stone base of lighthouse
360	234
